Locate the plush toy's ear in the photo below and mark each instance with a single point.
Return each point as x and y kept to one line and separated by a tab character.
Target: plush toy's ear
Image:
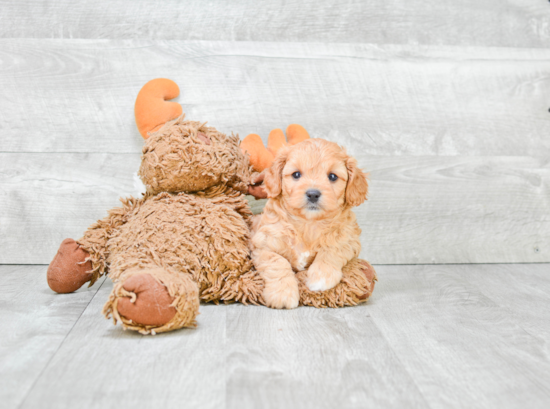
357	187
152	110
261	157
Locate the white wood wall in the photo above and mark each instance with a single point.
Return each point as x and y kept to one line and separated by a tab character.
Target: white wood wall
445	103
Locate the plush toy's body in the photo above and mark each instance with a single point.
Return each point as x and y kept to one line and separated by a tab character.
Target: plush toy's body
186	240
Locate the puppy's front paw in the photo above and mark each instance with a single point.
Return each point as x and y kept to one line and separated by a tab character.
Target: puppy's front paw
322	277
282	293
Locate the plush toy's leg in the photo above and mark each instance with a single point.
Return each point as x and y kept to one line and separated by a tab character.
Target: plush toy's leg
153	300
356	287
369	272
69	269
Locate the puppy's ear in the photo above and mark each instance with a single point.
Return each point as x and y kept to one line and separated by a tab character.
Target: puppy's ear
357	187
273	180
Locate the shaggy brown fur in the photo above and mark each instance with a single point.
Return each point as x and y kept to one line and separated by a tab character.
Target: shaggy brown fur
194	242
189	156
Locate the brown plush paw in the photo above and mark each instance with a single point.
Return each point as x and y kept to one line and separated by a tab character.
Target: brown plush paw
152	304
369	272
256	187
68	270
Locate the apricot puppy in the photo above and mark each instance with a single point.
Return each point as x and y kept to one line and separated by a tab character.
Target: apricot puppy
308	223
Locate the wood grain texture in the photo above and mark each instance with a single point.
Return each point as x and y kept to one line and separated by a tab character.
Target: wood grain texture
466	333
518	23
78	95
445	336
421	209
48	197
523	294
35	323
456	210
102	366
310	358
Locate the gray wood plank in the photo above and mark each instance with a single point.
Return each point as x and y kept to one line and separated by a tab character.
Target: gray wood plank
102	366
421	209
431	336
48	197
78	95
456	210
35	322
459	22
523	294
313	358
462	347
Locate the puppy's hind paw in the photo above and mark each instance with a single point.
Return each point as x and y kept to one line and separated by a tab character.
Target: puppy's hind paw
282	293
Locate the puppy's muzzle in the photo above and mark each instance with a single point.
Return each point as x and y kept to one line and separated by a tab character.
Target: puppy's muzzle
313	195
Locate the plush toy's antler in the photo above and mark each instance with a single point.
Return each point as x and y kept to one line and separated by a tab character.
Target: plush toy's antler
152	109
261	157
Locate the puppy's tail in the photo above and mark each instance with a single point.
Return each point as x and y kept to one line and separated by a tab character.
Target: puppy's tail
153	108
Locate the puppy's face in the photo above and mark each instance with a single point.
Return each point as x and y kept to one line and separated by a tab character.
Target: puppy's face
315	179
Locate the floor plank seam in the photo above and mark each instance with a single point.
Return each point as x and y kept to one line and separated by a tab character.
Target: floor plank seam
400	361
59	346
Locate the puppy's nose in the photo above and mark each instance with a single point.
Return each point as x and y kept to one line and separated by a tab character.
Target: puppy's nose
313	195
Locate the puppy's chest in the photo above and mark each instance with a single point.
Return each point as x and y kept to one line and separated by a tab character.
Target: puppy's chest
302	257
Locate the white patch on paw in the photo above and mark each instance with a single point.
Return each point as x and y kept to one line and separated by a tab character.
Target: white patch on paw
322	277
302	261
318	285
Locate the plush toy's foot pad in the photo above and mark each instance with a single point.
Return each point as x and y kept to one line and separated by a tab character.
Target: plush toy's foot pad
69	269
151	304
369	272
152	300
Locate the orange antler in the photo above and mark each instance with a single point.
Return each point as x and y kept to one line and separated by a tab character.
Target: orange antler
261	157
152	109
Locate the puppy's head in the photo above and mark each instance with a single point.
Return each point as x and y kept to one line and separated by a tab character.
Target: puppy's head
315	179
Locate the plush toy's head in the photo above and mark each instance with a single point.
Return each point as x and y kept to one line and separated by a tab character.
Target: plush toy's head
181	155
187	156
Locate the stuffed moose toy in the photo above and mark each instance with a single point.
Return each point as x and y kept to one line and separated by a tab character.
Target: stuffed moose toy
186	240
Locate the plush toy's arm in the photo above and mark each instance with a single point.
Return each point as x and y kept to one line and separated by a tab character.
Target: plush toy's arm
261	157
85	260
256	187
95	239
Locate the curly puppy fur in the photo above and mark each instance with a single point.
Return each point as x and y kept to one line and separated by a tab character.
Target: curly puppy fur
308	223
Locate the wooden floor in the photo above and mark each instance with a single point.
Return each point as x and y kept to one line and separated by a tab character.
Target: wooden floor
432	336
445	103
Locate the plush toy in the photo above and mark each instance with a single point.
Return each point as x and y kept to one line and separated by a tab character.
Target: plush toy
186	239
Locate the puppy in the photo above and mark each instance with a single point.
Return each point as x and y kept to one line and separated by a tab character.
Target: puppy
307	222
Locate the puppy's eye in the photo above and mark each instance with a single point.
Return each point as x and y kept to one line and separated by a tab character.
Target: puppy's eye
332	177
296	175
